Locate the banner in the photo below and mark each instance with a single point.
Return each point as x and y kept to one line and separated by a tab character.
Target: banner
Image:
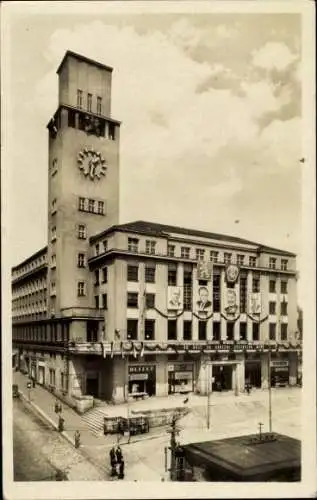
232	273
203	304
174	298
231	305
255	303
204	270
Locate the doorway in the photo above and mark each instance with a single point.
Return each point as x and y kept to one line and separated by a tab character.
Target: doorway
222	375
41	375
253	373
92	386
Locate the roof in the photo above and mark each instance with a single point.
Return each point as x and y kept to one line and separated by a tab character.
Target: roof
242	458
162	230
29	259
84	59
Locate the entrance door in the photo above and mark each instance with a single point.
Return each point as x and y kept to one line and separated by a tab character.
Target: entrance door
92	386
222	375
253	373
41	375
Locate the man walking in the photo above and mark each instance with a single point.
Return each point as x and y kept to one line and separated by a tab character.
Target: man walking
113	461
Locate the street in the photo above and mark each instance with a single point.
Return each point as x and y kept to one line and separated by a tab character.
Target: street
39	451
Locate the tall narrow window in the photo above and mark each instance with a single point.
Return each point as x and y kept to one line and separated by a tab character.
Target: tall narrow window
91	206
104	301
272	331
230	331
187	330
216	330
82	232
150	246
200	253
284	331
188	290
172	275
81	204
216	292
112	131
255	331
133	272
252	261
79	98
284	263
256	283
171	329
89	102
149	273
284	287
243	294
202	330
99	101
243	331
97	301
132	329
81	260
81	292
272	263
133	244
101	207
171	250
149	329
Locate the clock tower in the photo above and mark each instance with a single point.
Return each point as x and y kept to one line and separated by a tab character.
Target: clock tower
83	182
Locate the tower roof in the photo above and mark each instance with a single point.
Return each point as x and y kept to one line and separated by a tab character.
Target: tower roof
70	53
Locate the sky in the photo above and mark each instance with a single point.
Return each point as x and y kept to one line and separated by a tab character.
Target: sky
210	105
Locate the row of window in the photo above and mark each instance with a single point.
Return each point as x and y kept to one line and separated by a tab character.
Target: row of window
89	100
39	261
53	332
30	288
150	248
91	206
92	125
149	330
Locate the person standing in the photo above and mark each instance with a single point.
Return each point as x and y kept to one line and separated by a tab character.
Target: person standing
113	461
119	456
121	470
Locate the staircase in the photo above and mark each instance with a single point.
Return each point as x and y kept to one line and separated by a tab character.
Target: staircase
94	419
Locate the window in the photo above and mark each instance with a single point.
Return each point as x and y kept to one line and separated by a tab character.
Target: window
216	330
272	331
82	234
81	204
188	289
99	101
105	245
252	261
284	331
91	206
71	118
171	329
202	330
53	206
227	257
284	263
53	233
230	331
101	207
172	276
132	299
132	329
104	301
149	273
283	286
171	250
272	307
112	131
133	272
92	331
53	288
89	102
214	256
240	260
149	329
272	263
150	246
187	330
79	98
150	300
133	244
272	286
255	331
185	251
97	249
283	308
256	283
105	275
53	260
216	291
200	253
243	331
81	260
96	277
96	301
81	292
52	377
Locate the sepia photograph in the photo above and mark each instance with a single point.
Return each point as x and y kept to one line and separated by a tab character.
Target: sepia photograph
159	291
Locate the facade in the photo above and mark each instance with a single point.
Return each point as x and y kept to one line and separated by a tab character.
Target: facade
109	309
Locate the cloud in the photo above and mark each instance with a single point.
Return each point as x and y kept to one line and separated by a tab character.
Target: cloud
273	55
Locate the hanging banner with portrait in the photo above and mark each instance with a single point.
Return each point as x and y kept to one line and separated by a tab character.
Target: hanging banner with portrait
231	301
203	302
174	298
255	303
204	270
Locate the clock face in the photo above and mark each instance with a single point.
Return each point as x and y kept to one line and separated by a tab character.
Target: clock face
91	163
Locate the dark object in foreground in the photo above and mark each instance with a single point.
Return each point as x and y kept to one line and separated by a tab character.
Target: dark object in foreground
15	391
133	425
121	470
273	457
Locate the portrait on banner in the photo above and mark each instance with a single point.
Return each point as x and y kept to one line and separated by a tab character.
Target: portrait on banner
203	304
255	303
174	298
231	303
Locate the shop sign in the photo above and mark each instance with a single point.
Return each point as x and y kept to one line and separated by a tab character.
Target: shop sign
183	375
279	364
139	376
141	369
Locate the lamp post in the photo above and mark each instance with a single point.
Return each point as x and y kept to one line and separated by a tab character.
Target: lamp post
269	389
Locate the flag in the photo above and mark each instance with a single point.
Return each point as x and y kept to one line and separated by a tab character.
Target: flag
142	351
134	351
111	355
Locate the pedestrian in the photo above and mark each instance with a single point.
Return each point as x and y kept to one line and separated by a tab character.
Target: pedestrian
119	456
33	382
60	424
56	408
113	461
77	439
121	470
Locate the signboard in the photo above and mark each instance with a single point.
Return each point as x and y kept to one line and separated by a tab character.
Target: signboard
231	305
141	369
203	304
204	270
174	298
139	376
255	303
183	375
279	364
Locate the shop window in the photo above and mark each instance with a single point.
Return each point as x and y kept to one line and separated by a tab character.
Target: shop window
272	286
133	272
149	273
283	286
132	329
171	329
150	300
284	331
243	331
272	307
187	330
230	331
255	331
216	330
172	276
149	327
132	299
272	331
202	330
